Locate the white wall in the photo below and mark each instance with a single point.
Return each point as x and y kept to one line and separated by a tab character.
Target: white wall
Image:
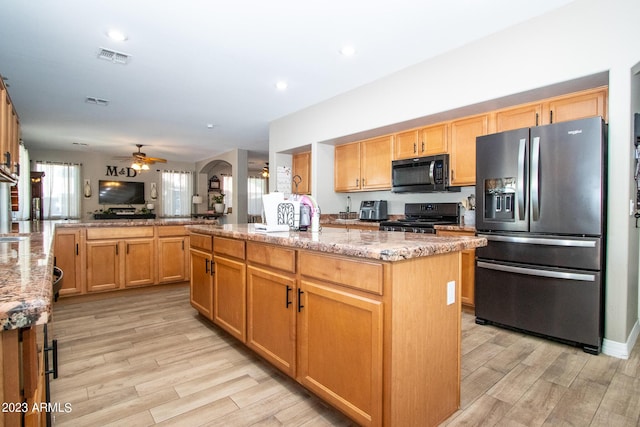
586	37
94	168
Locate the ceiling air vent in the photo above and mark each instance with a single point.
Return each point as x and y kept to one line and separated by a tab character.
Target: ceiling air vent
96	101
113	56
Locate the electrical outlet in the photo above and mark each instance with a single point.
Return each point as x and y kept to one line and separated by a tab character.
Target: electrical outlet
451	292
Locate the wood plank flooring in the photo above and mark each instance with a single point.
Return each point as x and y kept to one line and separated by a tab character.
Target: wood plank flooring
147	358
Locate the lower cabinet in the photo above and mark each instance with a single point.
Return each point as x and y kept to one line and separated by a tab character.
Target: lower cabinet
68	257
230	286
115	264
340	349
201	273
173	259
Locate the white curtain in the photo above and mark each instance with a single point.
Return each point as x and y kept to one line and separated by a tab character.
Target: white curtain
256	187
24	187
227	189
176	188
61	189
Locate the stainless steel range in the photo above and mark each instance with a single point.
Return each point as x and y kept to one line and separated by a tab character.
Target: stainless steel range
421	217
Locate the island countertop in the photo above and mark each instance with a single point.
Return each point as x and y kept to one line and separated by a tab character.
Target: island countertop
380	245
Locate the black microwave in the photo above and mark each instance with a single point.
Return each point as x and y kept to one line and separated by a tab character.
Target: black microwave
421	175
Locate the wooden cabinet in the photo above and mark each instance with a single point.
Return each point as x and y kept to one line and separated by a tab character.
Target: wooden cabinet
173	254
463	148
579	105
127	259
69	251
230	286
425	141
9	134
201	273
468	266
301	166
272	304
363	165
340	349
519	117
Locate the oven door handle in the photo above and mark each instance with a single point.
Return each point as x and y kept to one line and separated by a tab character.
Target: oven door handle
541	241
537	272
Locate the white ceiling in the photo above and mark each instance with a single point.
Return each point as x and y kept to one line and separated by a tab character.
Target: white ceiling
200	62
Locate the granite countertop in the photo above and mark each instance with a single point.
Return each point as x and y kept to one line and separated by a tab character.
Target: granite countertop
26	286
380	245
133	222
455	228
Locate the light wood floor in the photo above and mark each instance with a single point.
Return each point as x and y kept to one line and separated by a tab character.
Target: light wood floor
148	359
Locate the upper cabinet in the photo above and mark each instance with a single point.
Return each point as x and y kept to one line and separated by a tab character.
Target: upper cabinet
421	142
518	117
580	105
463	148
301	167
9	137
363	165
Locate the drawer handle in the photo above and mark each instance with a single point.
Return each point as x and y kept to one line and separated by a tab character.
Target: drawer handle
300	306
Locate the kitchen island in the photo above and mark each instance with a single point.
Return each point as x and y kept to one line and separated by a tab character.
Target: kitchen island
367	320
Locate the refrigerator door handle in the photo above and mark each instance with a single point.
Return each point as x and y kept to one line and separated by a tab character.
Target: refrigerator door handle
535	179
541	241
537	272
521	184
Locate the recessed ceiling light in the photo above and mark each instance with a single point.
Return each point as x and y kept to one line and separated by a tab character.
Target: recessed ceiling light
117	35
281	85
348	50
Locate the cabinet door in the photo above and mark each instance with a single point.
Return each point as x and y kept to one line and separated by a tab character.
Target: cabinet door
271	317
375	163
201	295
301	166
347	167
519	117
340	350
405	145
585	104
229	299
139	263
103	265
173	259
67	257
463	148
434	140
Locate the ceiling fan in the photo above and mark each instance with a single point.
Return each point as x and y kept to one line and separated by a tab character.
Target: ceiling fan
140	160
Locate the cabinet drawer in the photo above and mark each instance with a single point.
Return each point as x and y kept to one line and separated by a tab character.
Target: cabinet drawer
231	247
119	232
171	230
201	241
359	274
272	256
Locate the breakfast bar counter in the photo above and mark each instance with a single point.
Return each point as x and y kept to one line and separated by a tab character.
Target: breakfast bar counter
367	320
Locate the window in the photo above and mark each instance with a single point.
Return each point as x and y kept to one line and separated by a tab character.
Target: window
177	189
256	187
227	189
60	189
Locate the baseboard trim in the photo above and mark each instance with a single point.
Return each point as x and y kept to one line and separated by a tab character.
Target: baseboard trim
621	350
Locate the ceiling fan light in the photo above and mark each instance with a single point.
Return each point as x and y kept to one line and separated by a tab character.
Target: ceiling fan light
136	166
145	167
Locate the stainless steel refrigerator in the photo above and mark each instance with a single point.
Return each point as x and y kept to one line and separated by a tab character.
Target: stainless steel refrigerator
540	195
